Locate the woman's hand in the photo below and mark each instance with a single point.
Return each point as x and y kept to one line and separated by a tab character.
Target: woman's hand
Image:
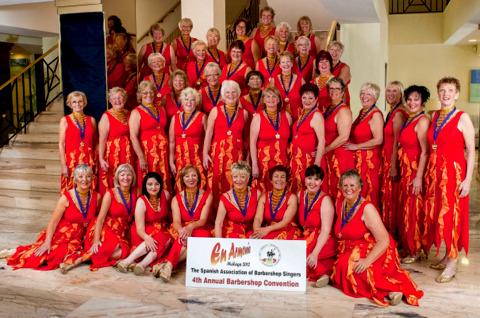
94	248
361	266
464	188
186	232
416	186
143	164
64	170
255	172
45	247
104	165
150	244
312	260
206	161
350	146
173	168
260	233
394	173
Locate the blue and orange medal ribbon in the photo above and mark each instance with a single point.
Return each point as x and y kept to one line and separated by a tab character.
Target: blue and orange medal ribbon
191	211
272	213
129	207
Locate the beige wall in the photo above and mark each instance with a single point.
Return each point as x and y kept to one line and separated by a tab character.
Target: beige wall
34	16
124	9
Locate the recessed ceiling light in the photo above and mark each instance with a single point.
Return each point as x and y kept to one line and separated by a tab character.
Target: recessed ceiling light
472	40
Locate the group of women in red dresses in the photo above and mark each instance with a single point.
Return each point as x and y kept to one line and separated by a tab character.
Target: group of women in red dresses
199	118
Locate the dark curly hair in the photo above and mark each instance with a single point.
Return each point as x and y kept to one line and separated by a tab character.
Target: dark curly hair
422	90
314	171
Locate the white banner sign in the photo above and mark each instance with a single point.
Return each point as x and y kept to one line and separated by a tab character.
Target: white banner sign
246	264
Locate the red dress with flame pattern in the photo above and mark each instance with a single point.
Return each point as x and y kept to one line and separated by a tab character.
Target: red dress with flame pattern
271	151
188	218
446	214
173	105
382	277
154	144
149	49
294	104
235	224
67	238
291	231
237	75
78	150
189	146
118	150
305	70
261	40
367	162
184	53
250	106
263	68
312	226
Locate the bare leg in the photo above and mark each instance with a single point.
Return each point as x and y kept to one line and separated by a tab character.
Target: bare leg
117	253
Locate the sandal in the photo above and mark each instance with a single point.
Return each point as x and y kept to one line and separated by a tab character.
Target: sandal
122	267
440	265
138	269
157	268
4	253
322	281
166	272
395	298
64	268
444	278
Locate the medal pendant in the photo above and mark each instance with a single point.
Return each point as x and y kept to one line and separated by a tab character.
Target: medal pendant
184	136
158	127
277	136
198	83
229	132
434	146
296	136
287	99
82	144
340	235
270	79
159	95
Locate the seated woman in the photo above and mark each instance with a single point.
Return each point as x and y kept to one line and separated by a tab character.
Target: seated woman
65	231
278	208
150	235
367	263
237	207
106	240
190	211
316	213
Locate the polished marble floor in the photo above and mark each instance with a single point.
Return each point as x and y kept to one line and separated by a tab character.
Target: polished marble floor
107	293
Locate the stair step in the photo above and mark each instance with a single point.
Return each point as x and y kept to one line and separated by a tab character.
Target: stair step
56	106
37	138
30	182
49	117
32	151
27	166
42	128
29	199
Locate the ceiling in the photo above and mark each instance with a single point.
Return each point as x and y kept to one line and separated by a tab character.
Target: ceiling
12	2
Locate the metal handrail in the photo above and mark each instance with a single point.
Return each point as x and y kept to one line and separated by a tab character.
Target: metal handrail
27	94
169	11
250	13
332	33
411	6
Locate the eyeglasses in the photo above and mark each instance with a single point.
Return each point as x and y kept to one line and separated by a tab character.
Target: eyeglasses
210	75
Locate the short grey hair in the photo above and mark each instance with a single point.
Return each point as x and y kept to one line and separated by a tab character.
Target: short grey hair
155	56
83	167
229	84
214	66
372	88
192	92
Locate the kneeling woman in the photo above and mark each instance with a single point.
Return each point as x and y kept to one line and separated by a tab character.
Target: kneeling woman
367	263
277	208
150	235
316	213
190	212
237	207
65	231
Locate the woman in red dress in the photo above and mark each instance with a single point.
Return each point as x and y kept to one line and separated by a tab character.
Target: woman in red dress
288	84
338	123
130	83
115	69
190	212
267	29
157	46
316	214
147	133
211	96
171	102
269	135
150	234
276	209
156	62
367	264
238	205
228	126
195	68
114	147
252	51
213	53
65	231
304	62
413	155
448	178
252	101
81	144
391	215
269	65
282	32
308	143
182	46
366	141
237	70
106	240
339	68
323	72
304	28
186	135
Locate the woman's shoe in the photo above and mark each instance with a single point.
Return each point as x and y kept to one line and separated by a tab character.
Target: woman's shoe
440	265
395	298
166	272
412	258
4	253
64	268
444	278
122	267
322	281
138	270
157	268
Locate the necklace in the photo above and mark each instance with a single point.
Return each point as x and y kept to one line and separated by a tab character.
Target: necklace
322	80
126	196
276	197
287	91
191	197
230	73
264	30
211	92
83	200
258	95
154	202
157	47
350	207
186	38
440	122
310	199
81	124
241	197
214	54
303	62
121	116
156	77
285	45
152	110
185	124
363	114
271	63
392	110
331	109
410	119
230	111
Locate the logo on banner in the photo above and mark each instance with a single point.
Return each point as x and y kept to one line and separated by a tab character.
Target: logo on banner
269	255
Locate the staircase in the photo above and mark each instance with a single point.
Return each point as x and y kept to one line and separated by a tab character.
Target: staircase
30	165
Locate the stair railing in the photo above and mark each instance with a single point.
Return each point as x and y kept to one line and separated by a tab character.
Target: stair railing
249	13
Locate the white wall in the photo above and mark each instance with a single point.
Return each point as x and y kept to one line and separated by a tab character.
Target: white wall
35	18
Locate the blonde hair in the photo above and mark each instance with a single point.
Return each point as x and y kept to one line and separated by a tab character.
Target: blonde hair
142	86
192	92
76	94
116	90
122	168
371	87
241	167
